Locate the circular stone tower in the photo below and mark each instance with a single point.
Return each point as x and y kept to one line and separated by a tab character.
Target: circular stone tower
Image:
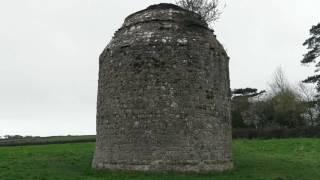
164	96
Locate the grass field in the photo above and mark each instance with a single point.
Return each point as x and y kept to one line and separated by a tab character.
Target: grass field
285	159
47	140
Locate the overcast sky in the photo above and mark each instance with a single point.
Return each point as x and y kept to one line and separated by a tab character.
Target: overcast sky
49	54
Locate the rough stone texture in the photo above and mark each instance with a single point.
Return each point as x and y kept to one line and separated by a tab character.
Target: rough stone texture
164	96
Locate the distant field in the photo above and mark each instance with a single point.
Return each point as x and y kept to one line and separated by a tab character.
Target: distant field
47	140
285	159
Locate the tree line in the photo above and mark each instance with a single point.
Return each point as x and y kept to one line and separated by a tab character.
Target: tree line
281	106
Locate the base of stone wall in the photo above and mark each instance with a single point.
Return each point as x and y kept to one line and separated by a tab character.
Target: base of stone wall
192	168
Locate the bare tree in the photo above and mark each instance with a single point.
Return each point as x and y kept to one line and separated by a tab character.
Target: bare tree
279	82
287	106
308	95
207	9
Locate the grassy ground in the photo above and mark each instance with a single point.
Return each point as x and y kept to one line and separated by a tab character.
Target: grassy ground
285	159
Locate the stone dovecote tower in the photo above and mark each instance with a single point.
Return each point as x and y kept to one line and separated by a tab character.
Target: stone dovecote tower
164	96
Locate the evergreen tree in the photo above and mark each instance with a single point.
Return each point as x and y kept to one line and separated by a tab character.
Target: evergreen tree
312	56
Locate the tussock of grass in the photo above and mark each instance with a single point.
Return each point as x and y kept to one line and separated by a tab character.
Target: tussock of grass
285	159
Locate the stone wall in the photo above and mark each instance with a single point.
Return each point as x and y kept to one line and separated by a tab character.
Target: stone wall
164	96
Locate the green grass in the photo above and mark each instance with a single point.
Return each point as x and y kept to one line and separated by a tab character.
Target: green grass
285	159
